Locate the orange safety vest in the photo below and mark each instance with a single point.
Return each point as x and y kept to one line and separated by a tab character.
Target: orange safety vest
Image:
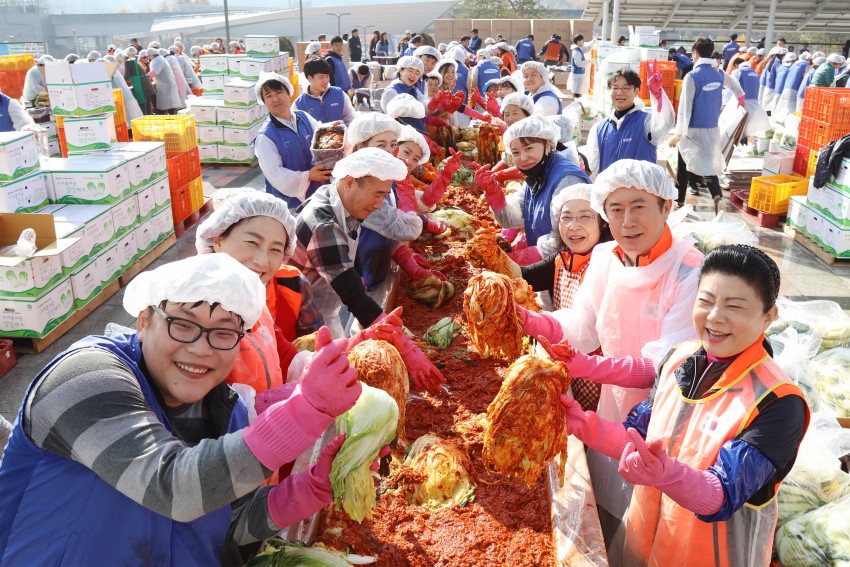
283	298
258	362
508	62
553	51
661	533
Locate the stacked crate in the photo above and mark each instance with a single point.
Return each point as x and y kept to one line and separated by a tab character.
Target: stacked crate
122	132
826	117
668	79
13	72
181	148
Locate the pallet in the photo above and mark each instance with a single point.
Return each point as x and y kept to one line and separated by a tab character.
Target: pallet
139	265
218	164
35	346
180	228
739	200
823	255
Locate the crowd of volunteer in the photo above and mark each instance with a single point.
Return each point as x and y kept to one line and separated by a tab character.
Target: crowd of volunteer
168	444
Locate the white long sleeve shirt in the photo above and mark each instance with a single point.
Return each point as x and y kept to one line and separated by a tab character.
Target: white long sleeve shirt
289	182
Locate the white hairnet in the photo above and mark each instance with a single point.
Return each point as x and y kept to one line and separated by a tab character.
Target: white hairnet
514	81
368	124
214	45
805	56
491	83
178	44
441	47
489	41
760	51
194	50
233	44
410	62
836	58
565	127
131	50
410	134
207	46
581	191
458	53
535	126
445	61
214	278
435	75
481	53
173	48
163	52
497	61
44	59
782	51
789	58
110	58
818	61
405	106
818	54
752	50
452	44
539	67
518	99
120	55
313	48
243	206
639	174
265	78
154	45
372	162
110	47
93	55
426	50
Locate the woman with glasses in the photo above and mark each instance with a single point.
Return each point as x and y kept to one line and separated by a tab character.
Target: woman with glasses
131	449
628	132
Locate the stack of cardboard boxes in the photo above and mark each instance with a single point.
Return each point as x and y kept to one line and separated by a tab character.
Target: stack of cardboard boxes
824	214
513	30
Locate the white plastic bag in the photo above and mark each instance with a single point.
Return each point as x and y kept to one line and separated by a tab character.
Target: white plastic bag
831	376
826	318
721	230
819	537
24	247
793	352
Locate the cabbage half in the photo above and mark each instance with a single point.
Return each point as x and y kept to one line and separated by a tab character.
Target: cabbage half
368	426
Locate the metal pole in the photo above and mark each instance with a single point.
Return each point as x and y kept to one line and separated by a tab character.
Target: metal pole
76	43
606	17
768	40
226	28
301	17
750	10
615	20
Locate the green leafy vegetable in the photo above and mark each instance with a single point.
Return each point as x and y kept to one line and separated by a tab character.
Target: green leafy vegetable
819	537
368	426
440	473
441	333
280	553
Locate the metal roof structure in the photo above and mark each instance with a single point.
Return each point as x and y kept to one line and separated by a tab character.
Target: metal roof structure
830	16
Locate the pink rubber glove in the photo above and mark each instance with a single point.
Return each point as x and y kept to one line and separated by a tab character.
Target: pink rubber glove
510	234
525	256
540	324
509	174
492	105
406	196
424	375
390	321
472	113
264	400
298	497
433	227
406	260
654	81
329	382
436	102
601	435
486	181
433	120
742	101
626	372
648	464
151	74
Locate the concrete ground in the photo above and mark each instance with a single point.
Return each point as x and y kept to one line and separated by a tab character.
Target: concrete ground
804	276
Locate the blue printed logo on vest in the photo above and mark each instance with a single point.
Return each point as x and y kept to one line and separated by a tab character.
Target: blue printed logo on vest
712	87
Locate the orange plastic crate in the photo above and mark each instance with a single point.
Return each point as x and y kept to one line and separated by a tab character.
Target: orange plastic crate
121	132
23	62
177	131
63	142
668	79
196	193
184	167
817	134
181	203
12	82
827	105
771	193
118	97
813	162
801	160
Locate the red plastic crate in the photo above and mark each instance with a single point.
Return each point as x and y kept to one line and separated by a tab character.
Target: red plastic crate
184	167
181	203
815	134
7	357
63	143
121	132
801	160
828	105
12	82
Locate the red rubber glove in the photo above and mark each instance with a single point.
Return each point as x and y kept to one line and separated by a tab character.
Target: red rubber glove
436	102
499	166
406	260
421	260
424	375
432	146
525	256
627	372
654	81
742	101
475	97
469	111
509	174
453	102
451	165
388	321
406	196
492	105
433	120
486	181
433	227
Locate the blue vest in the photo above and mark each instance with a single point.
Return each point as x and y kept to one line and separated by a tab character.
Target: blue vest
5	119
796	74
807	80
420	85
56	511
401	88
629	142
577	55
730	49
749	80
475	43
708	97
340	72
772	72
408	52
525	50
294	150
540	95
325	109
682	61
536	206
487	72
781	76
356	81
374	255
418	123
462	80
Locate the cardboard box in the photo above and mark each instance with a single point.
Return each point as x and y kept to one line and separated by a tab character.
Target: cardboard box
210	134
144	235
251	67
243	116
262	45
146	204
155	164
49	147
163	225
484	27
832	201
213	83
77	254
125	215
30	276
86	283
583	27
240	136
834	237
499	27
25	194
127	251
798	212
520	29
96	219
18	155
137	167
213	65
443	30
110	264
35	317
161	194
86	134
843	176
79	181
208	153
233	63
236	154
776	163
650	53
240	92
79	90
205	110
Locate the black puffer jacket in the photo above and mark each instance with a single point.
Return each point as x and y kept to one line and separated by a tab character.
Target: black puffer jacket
829	160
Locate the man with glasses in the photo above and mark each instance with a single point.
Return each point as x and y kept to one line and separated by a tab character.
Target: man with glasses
132	448
628	132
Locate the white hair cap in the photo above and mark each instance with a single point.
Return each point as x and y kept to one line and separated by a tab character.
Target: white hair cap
410	62
818	61
503	45
214	45
496	60
120	55
565	127
195	49
154	45
265	78
515	81
368	124
489	41
789	58
93	55
805	56
109	58
178	44
372	162
836	58
411	134
535	126
426	50
752	50
405	106
639	174
173	48
163	52
435	75
581	191
491	83
233	44
242	206
132	50
818	54
110	47
539	67
445	61
442	47
482	53
44	59
782	51
459	54
518	99
214	278
313	48
207	46
760	51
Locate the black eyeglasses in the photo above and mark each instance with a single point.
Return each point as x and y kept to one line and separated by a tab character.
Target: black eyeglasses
186	331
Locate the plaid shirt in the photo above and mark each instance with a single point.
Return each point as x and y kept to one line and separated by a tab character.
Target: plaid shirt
310	318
